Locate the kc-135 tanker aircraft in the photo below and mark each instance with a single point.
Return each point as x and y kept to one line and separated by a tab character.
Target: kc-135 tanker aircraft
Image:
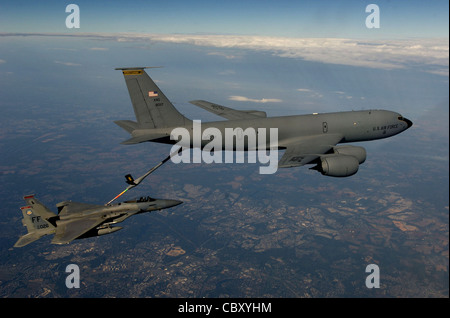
306	139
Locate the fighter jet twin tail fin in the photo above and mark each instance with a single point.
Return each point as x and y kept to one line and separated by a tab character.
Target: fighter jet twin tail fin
38	220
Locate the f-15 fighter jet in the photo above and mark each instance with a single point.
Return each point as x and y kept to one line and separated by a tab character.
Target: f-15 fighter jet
80	220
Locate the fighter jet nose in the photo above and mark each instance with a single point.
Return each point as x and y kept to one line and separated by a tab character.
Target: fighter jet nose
171	203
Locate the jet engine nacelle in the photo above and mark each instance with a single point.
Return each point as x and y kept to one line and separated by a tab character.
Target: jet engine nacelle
338	165
357	152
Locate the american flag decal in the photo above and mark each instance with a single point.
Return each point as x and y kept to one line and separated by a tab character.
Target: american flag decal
153	94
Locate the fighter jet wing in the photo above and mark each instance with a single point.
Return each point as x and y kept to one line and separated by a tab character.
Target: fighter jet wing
307	149
229	113
68	230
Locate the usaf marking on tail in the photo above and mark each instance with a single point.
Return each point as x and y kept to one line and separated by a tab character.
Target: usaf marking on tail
307	139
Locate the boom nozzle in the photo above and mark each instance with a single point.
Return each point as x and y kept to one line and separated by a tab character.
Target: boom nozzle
130	179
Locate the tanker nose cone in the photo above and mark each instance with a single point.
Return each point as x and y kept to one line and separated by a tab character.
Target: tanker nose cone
408	122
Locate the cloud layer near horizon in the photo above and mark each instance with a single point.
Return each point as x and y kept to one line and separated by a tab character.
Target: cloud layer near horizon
430	55
253	100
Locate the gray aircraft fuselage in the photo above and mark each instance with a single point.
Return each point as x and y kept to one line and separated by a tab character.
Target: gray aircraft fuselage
117	213
113	214
354	126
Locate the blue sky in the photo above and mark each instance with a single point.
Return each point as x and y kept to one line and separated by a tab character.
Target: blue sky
398	19
413	36
222	38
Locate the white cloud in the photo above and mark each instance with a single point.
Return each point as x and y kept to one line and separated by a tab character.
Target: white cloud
2	61
99	49
311	93
430	55
389	54
246	99
67	63
222	54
